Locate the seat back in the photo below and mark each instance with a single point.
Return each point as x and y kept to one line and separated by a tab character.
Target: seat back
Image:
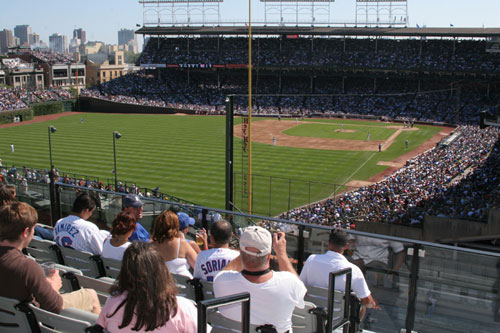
12	319
43	250
304	320
185	288
207	288
111	267
84	261
221	324
52	322
319	297
101	286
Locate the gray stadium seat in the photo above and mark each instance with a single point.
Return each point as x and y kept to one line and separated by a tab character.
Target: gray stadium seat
303	320
111	267
101	285
89	264
43	250
12	319
207	289
68	321
185	288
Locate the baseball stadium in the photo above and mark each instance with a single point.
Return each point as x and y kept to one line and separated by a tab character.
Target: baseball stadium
386	132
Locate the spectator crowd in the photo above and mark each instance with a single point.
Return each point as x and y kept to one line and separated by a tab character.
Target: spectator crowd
458	180
15	99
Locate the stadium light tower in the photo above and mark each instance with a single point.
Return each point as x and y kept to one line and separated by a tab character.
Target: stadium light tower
116	136
51	130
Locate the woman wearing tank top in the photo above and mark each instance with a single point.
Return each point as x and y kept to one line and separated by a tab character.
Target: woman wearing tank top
179	256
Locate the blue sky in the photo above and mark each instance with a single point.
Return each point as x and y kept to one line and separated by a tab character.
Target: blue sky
103	18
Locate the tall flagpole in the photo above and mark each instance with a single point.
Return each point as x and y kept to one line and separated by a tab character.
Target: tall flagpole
250	194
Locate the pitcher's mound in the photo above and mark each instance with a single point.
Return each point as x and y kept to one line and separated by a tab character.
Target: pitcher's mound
345	131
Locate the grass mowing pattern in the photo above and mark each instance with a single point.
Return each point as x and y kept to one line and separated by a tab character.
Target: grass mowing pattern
185	156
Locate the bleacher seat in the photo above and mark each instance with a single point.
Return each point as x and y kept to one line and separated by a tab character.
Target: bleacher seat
89	264
12	319
101	285
185	286
111	267
221	324
70	320
43	250
207	289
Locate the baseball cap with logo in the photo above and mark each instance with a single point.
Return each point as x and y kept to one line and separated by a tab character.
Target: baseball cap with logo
132	200
184	220
256	237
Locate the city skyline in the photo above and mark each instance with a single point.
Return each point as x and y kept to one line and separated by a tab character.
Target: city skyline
103	19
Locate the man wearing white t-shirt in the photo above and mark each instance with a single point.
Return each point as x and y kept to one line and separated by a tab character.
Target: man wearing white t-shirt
76	232
212	261
375	252
273	295
317	269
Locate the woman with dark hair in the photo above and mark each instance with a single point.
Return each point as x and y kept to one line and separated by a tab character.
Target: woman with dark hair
123	226
176	252
143	297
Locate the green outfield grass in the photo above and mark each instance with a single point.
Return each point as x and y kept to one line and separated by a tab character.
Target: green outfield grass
184	155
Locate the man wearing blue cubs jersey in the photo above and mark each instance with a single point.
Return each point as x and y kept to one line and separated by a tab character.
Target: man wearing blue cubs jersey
76	232
211	261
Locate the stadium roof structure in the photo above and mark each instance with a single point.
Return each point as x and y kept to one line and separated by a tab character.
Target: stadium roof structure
322	31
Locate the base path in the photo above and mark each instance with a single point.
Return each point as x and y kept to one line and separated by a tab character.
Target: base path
263	131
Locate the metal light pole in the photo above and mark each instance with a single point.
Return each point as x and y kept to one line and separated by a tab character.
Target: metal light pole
116	135
51	129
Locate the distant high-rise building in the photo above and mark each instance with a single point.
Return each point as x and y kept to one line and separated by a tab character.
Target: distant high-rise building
34	39
59	43
6	40
22	32
81	35
125	36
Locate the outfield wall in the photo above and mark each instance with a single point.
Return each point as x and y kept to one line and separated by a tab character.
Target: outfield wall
90	104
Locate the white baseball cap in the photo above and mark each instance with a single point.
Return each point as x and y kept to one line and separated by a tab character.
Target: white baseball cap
258	238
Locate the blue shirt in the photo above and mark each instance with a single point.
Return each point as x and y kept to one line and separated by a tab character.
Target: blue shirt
139	234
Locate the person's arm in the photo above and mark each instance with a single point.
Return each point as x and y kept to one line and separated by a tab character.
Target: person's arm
279	245
204	238
370	303
194	246
43	291
191	254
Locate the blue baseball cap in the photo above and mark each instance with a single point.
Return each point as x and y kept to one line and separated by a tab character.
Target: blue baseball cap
184	220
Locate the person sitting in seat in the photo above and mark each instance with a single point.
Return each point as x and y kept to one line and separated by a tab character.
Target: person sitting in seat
22	277
177	253
316	270
212	261
133	204
273	295
123	226
74	231
143	297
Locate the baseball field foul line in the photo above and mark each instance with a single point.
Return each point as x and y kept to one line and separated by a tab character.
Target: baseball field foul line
355	171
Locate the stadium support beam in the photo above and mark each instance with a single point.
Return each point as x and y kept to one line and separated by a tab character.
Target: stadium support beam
297	12
382	12
161	13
